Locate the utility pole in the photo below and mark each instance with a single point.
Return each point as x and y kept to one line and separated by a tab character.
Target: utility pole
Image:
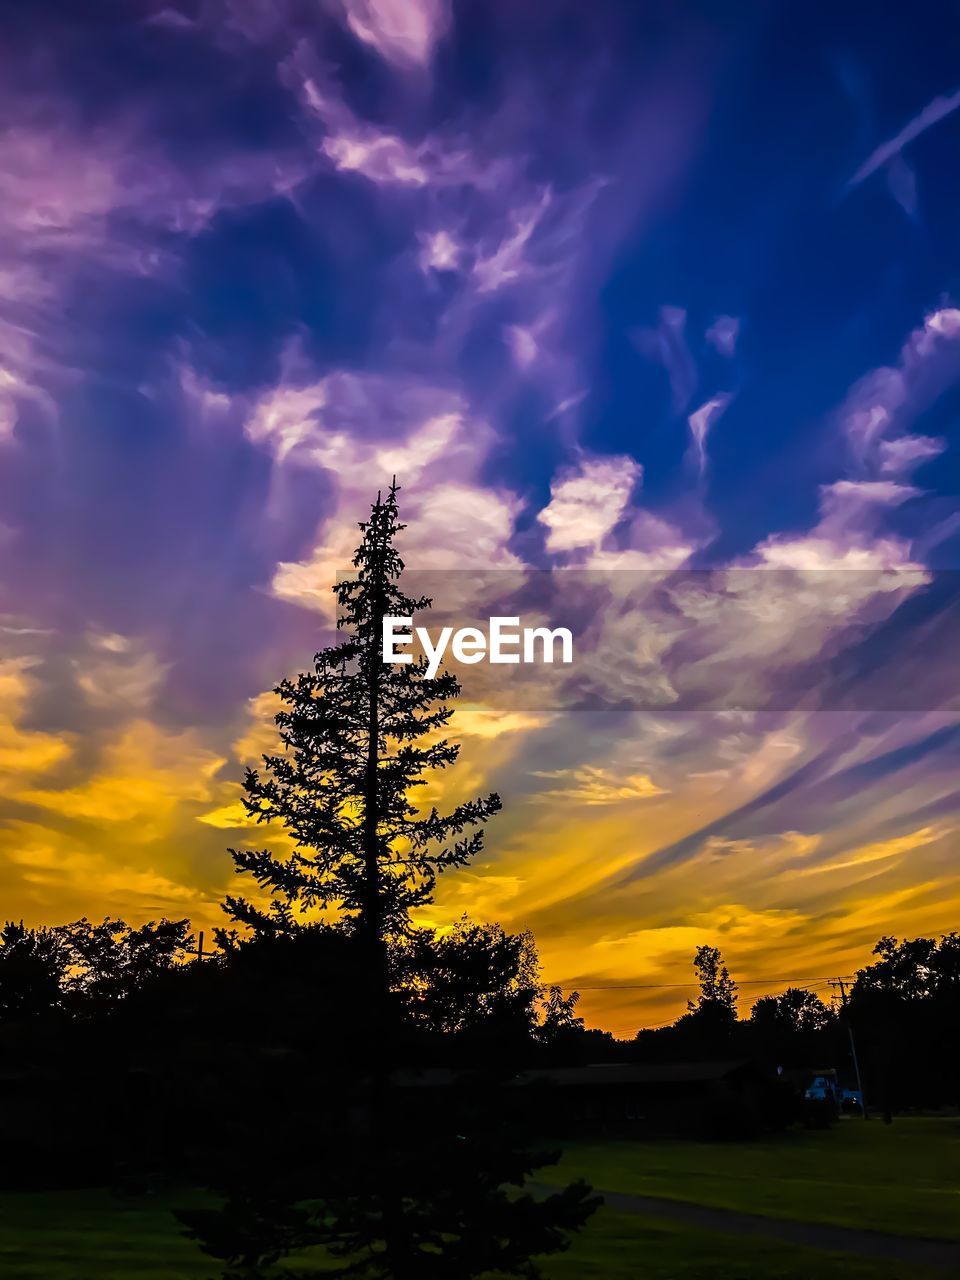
200	947
853	1045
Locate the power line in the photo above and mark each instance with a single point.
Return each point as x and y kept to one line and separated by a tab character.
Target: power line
679	986
822	984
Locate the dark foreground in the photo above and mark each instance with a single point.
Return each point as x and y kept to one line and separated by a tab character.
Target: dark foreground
804	1206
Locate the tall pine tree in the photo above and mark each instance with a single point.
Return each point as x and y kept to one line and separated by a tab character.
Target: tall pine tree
400	1183
359	736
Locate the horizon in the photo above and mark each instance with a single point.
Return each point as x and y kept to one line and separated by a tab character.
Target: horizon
644	296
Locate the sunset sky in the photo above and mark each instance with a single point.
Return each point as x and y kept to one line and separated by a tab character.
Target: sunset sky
666	292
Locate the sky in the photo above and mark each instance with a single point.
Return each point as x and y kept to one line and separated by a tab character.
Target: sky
662	295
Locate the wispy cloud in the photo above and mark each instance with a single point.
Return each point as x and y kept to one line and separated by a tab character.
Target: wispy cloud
403	32
932	114
258	257
593	785
702	421
587	502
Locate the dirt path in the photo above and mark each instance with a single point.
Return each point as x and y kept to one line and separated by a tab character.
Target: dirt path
814	1235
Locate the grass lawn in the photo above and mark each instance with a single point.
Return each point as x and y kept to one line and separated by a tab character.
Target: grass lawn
92	1236
903	1178
619	1246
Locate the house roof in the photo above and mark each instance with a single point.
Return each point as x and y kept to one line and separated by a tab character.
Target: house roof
624	1073
594	1074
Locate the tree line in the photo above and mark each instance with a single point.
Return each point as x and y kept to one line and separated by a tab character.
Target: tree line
274	1075
284	1073
896	1025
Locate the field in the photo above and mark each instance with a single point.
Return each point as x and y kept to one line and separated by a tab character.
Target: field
904	1179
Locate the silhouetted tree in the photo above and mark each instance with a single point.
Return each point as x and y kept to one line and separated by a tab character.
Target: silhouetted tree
476	989
709	1028
718	991
472	981
560	1024
794	1028
33	966
111	960
795	1012
358	736
914	969
397	1183
905	1011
